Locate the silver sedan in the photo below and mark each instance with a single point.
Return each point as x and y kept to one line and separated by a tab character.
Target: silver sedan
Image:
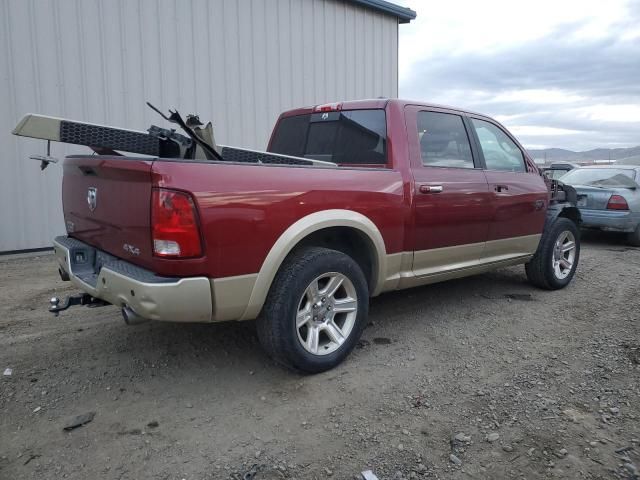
608	198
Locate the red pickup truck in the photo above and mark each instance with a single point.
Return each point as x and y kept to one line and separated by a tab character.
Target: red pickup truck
394	194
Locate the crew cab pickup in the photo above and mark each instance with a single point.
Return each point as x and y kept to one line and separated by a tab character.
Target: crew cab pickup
350	200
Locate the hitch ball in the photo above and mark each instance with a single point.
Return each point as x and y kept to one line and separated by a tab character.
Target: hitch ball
54	302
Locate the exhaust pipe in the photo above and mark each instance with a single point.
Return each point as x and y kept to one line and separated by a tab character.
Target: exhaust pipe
131	317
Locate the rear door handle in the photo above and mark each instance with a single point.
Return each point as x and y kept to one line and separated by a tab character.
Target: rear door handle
431	188
501	188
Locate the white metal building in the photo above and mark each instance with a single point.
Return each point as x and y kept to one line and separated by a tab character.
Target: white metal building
238	63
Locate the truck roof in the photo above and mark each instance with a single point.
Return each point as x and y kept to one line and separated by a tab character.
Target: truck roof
372	103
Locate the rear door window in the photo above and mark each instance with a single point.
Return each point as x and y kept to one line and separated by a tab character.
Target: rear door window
344	137
443	140
601	177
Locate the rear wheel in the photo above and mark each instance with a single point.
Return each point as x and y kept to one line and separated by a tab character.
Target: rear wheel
555	262
633	238
315	311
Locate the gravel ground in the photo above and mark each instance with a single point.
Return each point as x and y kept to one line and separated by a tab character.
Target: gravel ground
454	380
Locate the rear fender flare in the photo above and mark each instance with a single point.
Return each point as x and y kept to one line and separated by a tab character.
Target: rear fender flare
296	233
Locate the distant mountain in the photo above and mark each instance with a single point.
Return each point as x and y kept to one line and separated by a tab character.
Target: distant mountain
630	155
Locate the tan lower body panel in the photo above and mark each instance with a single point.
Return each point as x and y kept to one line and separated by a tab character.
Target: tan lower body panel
507	248
231	296
429	262
201	299
405	270
411	280
185	300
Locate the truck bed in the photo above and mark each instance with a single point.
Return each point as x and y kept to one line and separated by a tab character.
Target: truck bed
243	207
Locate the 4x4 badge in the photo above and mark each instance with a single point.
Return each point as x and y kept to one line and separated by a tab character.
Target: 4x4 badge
92	198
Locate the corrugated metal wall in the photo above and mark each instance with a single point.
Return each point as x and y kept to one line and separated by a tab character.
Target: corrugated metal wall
236	62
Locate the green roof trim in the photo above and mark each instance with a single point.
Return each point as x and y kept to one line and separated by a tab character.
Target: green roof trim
403	14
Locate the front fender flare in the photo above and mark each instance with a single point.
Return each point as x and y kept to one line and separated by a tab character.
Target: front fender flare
566	210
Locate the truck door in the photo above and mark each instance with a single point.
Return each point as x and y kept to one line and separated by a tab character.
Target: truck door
452	202
519	196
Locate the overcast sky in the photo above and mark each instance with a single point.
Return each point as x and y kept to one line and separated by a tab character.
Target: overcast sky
557	73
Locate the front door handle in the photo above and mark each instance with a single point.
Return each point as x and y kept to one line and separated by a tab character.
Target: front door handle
431	188
501	188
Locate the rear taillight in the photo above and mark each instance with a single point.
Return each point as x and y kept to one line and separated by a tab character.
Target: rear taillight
617	202
174	225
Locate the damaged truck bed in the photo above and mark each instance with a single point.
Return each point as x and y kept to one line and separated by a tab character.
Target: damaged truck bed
199	144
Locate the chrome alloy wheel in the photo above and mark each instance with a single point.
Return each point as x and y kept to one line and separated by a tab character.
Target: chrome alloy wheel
327	312
564	255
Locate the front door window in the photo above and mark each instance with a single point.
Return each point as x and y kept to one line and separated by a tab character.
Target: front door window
500	152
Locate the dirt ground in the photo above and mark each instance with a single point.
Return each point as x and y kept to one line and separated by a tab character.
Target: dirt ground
451	381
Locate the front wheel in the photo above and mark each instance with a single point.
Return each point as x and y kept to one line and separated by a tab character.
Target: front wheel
555	262
315	311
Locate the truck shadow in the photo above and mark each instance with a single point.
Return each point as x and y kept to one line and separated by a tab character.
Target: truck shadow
234	346
91	345
205	364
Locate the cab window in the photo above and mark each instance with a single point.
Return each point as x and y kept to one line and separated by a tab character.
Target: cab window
343	137
443	140
500	152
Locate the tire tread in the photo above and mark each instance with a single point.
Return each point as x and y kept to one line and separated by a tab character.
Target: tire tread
538	270
272	331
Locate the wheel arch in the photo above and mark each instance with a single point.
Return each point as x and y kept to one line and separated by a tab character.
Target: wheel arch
562	210
572	213
559	210
312	230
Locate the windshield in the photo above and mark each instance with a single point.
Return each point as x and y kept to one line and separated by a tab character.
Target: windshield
344	137
555	174
600	177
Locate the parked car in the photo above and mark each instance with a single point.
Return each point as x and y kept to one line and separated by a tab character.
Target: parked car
558	169
352	200
608	198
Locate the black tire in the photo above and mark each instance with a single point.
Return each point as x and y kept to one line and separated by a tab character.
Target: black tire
540	269
277	330
633	238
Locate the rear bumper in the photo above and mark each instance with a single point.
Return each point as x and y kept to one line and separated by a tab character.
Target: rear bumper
123	284
617	221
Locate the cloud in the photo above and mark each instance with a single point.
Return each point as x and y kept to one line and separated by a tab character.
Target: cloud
563	74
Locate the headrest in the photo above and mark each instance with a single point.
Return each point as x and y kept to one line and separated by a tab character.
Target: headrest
434	142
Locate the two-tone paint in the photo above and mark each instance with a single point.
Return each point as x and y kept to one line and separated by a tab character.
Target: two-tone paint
252	216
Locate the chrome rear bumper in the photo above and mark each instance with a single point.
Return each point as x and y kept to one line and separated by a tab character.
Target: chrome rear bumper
123	284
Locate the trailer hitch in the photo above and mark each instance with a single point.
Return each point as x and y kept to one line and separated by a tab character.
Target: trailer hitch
80	299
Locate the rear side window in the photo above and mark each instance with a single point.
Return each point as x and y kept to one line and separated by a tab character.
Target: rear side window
443	140
500	152
290	135
346	137
601	177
